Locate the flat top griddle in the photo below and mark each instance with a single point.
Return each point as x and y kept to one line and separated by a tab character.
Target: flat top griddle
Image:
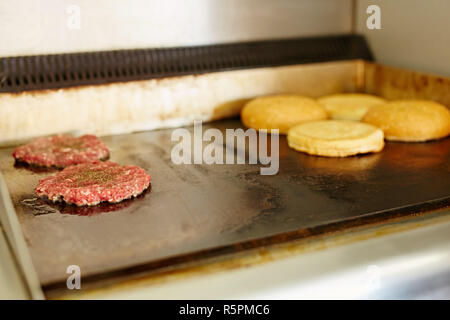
193	211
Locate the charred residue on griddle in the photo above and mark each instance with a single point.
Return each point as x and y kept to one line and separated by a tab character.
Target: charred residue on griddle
38	206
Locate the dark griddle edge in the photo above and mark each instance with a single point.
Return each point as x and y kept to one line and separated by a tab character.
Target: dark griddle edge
41	72
369	220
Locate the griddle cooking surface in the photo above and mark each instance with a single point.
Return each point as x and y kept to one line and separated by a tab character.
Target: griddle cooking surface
193	208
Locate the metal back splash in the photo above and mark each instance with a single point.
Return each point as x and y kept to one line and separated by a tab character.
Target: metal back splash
74	69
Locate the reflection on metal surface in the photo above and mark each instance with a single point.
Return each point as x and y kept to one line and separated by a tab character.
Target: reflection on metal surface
199	211
424	155
347	165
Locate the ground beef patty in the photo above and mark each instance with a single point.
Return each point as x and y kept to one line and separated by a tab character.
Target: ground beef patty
88	184
62	151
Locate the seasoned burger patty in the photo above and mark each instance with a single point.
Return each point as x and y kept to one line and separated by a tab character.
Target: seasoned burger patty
62	151
89	184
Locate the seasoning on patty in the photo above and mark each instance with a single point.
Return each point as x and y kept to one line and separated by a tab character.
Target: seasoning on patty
88	184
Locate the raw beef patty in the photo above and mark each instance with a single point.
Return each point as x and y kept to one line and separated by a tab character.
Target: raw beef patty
62	151
89	184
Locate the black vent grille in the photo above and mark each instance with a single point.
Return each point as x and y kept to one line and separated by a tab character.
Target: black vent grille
74	69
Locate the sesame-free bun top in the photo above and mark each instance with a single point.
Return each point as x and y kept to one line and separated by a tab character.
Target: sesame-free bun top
349	106
335	138
410	120
281	112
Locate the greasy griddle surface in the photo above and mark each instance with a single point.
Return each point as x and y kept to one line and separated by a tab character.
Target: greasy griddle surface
200	207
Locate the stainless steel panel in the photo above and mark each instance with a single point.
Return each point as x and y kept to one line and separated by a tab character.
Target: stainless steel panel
51	26
413	34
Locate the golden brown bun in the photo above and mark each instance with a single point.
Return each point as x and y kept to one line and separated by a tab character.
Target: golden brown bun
281	112
410	120
335	138
349	106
